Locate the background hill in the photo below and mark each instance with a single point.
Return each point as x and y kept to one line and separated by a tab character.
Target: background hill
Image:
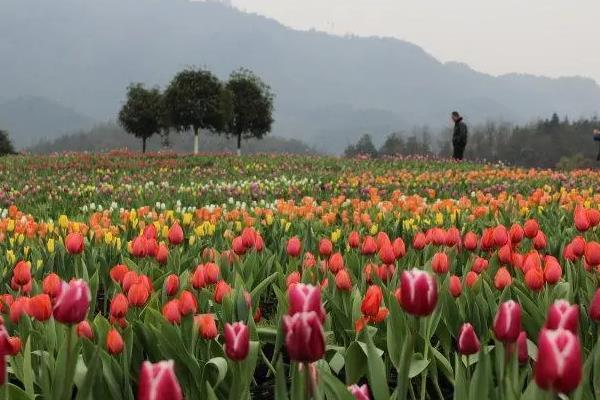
330	89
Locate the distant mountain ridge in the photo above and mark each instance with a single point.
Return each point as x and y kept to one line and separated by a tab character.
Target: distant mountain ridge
329	89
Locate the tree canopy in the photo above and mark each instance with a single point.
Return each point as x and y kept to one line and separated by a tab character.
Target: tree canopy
142	113
6	146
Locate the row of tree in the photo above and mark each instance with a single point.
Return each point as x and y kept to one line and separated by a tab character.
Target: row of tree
6	146
546	143
196	100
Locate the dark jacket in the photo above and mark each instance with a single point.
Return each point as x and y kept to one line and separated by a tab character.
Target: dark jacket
459	137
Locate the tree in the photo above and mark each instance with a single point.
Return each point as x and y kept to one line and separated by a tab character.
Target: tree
196	99
252	113
141	115
364	147
6	146
393	145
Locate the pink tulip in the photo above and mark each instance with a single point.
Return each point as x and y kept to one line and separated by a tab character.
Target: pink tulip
73	302
158	382
559	364
237	341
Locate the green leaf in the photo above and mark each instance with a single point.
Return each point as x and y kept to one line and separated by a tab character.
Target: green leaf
217	370
84	391
333	387
376	371
479	386
27	371
460	380
281	391
417	366
356	361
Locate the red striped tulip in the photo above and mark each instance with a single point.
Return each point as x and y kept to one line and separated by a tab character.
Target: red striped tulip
559	364
304	337
158	381
563	315
507	323
73	303
237	341
305	298
468	342
418	292
360	392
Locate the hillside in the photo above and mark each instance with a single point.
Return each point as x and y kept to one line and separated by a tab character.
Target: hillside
329	89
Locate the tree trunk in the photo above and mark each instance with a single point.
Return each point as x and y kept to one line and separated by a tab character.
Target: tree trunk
144	145
195	140
239	144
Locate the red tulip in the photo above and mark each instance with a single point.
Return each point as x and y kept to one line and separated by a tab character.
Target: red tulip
304	337
578	246
73	303
470	241
386	254
360	392
399	248
176	236
18	308
419	241
468	342
162	254
138	295
479	265
138	247
539	241
211	273
516	234
84	330
594	310
581	221
149	232
294	247
453	237
206	325
237	245
158	381
369	247
15	345
438	236
505	254
221	290
187	303
325	247
354	240
502	278
372	301
237	341
592	253
500	236
52	285
151	247
74	243
455	286
552	270
198	278
119	306
440	264
419	292
172	285
507	323
22	273
487	239
343	281
530	229
335	262
117	273
248	238
293	279
114	342
305	298
40	307
5	345
471	279
563	315
559	364
593	216
171	313
522	352
534	279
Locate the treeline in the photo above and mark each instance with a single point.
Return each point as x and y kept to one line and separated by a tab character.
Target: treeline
6	146
196	100
547	143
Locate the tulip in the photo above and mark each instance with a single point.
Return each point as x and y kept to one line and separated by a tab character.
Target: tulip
592	253
559	363
440	263
206	325
471	279
399	248
293	279
581	221
6	301
468	342
18	308
211	273
594	310
336	262
563	315
74	243
593	216
418	292
198	278
369	246
438	236
119	306
507	323
530	229
505	254
248	238
419	241
187	303
117	273
386	254
325	247
172	285
539	241
502	278
51	285
138	295
354	240
372	301
455	286
360	392
343	281
73	303
84	330
309	260
176	236
237	245
305	298
479	265
159	382
150	232
22	273
114	342
534	279
162	254
294	247
522	352
171	313
40	307
138	247
237	341
5	345
500	236
552	270
15	345
516	234
221	290
151	248
470	241
453	237
487	239
532	261
578	246
304	337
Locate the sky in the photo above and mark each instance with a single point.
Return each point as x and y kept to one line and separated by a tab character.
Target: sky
542	37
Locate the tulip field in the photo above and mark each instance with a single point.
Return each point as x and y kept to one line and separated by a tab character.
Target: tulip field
166	277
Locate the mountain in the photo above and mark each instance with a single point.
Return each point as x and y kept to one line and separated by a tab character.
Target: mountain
31	119
329	89
109	136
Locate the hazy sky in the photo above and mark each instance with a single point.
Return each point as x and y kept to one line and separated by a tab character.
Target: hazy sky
543	37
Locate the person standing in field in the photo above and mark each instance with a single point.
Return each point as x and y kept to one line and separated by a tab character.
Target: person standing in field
459	137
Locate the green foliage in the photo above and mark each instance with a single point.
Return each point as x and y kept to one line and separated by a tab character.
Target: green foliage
252	106
6	146
364	147
142	113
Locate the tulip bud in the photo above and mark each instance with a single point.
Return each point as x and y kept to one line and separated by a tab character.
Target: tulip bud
73	303
539	241
522	352
372	301
84	329
336	262
455	286
18	308
440	264
552	270
399	248
170	312
534	279
172	285
420	241
468	342
595	307
22	273
211	273
530	229
15	345
119	306
74	243
304	337
562	315
578	246
40	307
505	254
248	238
502	278
149	232
386	254
471	279
176	236
158	381
418	292
237	341
500	236
114	342
354	240
369	247
221	290
187	303
343	281
138	295
470	241
151	247
516	234
581	221
117	273
294	247
138	247
325	247
304	298
206	325
52	285
507	323
479	265
453	237
237	245
360	392
592	253
559	364
162	254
